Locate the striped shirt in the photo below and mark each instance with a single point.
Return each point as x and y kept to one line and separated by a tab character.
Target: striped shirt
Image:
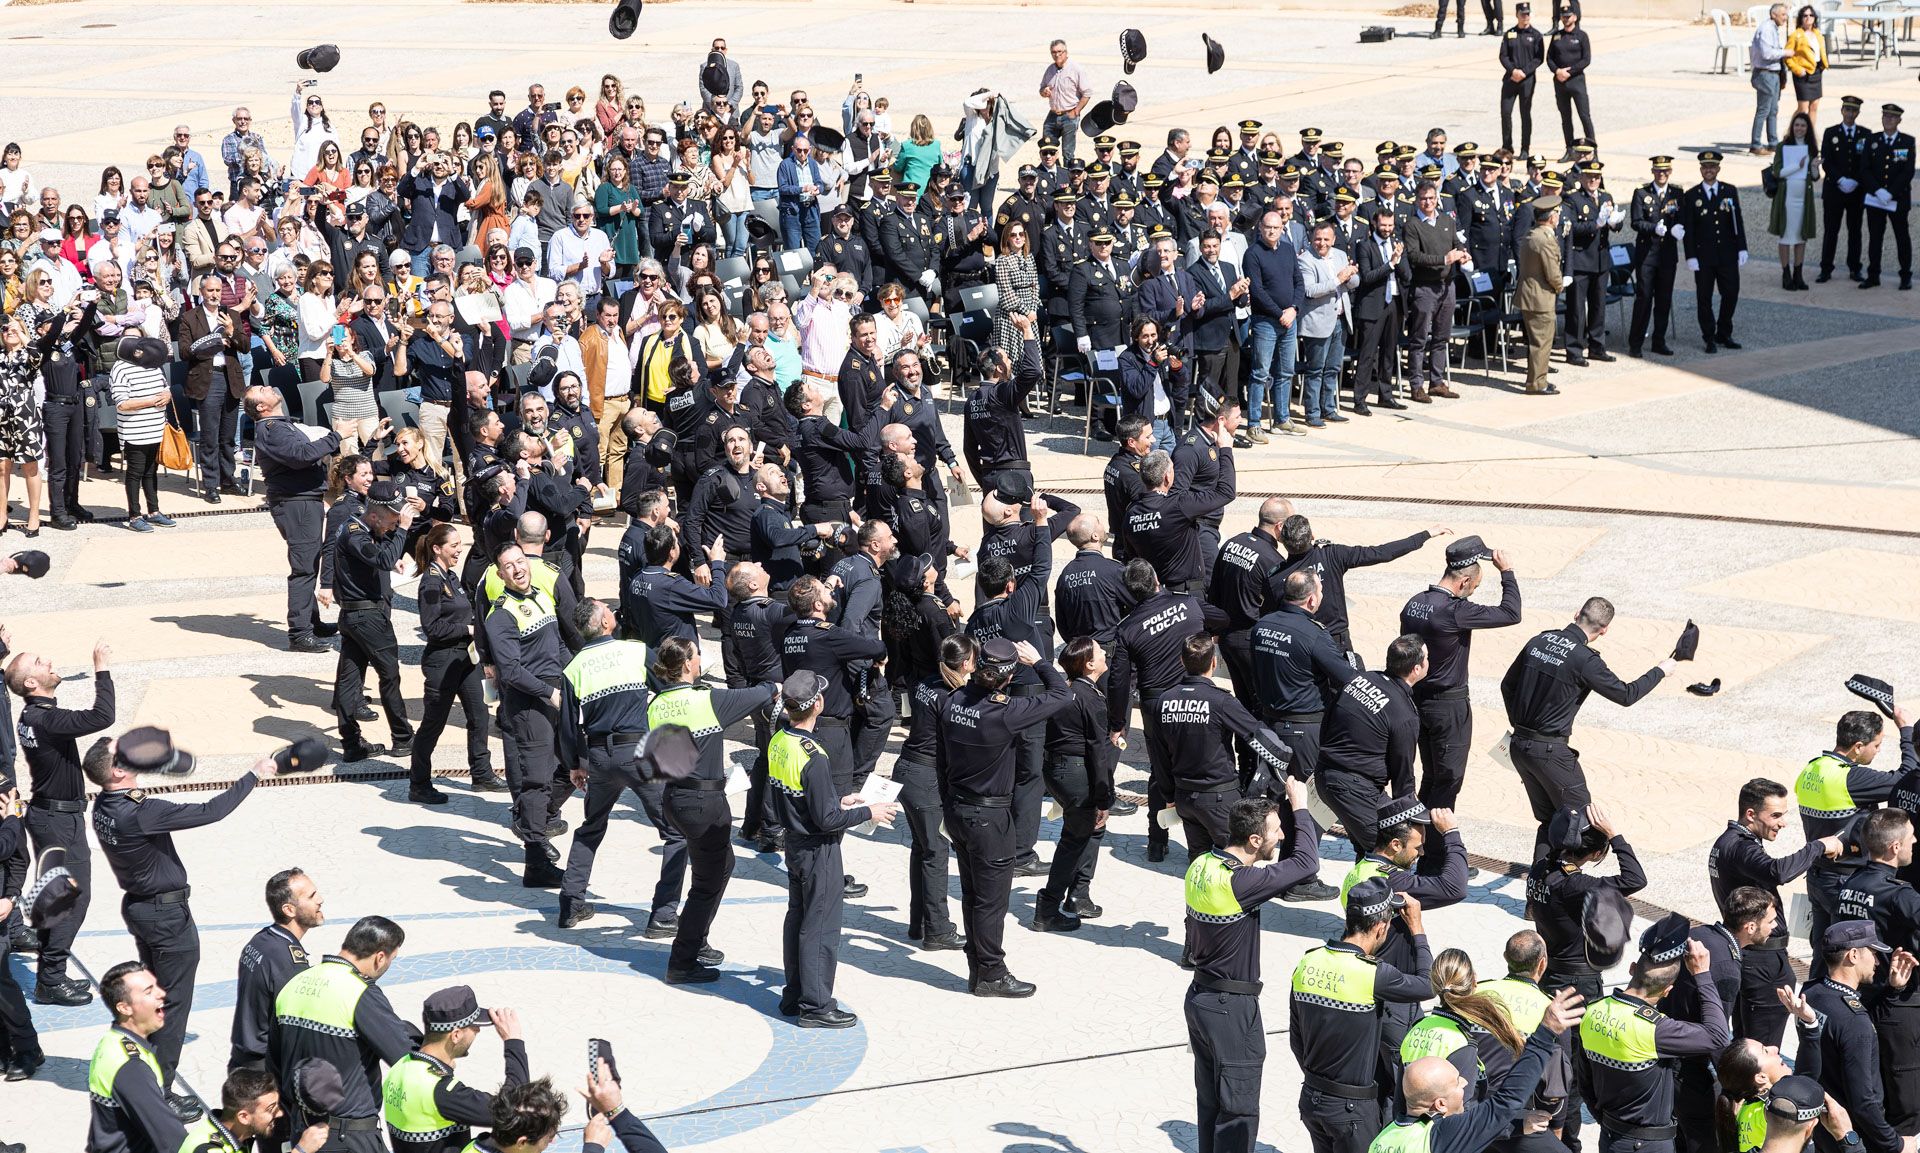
131	382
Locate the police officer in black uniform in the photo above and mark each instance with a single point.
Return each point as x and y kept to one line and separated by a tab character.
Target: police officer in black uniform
906	244
1848	1060
363	558
1739	860
1843	148
1330	562
1012	605
826	452
1238	588
1715	245
1587	212
1200	457
1749	922
1445	617
1121	482
1090	599
523	638
1025	206
845	249
993	433
1194	723
135	832
777	538
1165	525
66	412
1887	167
48	736
965	240
1368	741
752	656
1224	892
268	960
1522	51
1296	670
978	733
293	467
659	603
1876	893
1063	245
860	602
1544	688
1656	256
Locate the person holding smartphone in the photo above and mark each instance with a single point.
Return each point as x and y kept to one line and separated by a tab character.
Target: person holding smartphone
349	368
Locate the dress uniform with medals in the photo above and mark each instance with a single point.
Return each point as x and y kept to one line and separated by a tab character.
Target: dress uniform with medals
1630	1047
1887	167
1225	889
1100	296
1487	211
1715	246
1656	257
1843	148
1244	162
1063	245
1025	206
1049	177
1152	212
1096	204
906	242
1335	1014
135	833
1586	214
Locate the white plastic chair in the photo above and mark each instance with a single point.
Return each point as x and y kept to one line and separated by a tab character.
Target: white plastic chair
1729	47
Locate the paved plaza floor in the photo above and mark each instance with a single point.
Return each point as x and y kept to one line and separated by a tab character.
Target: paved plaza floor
1770	494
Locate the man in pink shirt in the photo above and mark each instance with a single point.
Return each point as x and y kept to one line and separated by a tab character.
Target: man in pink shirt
824	318
1065	87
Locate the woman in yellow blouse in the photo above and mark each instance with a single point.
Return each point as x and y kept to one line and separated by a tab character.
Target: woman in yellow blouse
1807	61
658	350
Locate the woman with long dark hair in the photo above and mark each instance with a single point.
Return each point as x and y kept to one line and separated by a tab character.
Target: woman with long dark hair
915	621
1796	171
446	619
1807	61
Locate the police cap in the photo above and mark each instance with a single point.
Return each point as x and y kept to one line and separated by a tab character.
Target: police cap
1014	487
1310	135
998	655
1467	552
1843	935
303	756
149	749
1249	127
1665	941
1798	1098
32	562
452	1008
1606	924
1851	102
1567	828
1065	196
1872	689
667	753
1710	156
1661	163
1370	897
1029	172
1407	810
385	494
55	893
317	1088
909	573
1345	195
802	689
1892	110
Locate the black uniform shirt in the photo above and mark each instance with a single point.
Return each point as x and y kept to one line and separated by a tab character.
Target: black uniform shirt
811	643
657	604
1847	1061
1196	723
49	739
267	961
993	435
1550	680
1080	731
1556	896
755	626
1446	622
776	541
922	744
1164	527
1330	563
1230	950
1297	667
292	464
1739	858
1091	597
136	833
1522	48
528	656
1373	731
363	562
1147	648
976	730
717	508
826	453
1239	582
1197	465
1122	484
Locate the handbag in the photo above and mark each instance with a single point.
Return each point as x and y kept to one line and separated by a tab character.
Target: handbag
1770	180
176	451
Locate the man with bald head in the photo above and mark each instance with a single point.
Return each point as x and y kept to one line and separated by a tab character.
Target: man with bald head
1091	597
1437	1118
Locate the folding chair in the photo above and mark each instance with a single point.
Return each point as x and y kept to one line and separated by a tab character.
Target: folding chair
310	393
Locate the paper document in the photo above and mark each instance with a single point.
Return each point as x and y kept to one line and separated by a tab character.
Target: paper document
737	781
879	790
1106	359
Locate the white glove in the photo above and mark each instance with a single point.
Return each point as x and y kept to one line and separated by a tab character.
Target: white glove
1692	265
1743	260
1679	232
926	279
1618	216
1660	229
1084	344
1566	282
1848	184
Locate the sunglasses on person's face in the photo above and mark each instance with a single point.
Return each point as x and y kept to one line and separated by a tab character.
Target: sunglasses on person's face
224	255
183	136
261	251
648	278
583	216
243	120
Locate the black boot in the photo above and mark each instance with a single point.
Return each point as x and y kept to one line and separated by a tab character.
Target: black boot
1786	278
540	871
1800	278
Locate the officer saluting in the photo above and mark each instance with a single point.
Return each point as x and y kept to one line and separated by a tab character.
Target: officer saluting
1334	1013
334	1012
130	1112
136	834
1445	617
426	1107
55	818
1630	1044
816	815
1224	891
269	960
371	543
978	732
1544	689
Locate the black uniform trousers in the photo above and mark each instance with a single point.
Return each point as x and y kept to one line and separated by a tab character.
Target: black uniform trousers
1379	344
1236	648
1446	734
1522	93
302	524
1029	791
1078	853
610	772
1229	1045
1459	15
1616	1143
1695	1098
706	821
48	829
1652	300
759	817
1356	801
450	676
168	944
366	638
218	417
1159	779
96	394
1876	239
1570	1117
1203	819
1898	1023
1572	97
984	844
1550	771
927	857
66	427
17	1036
534	778
1723	278
1338	1124
1836	207
1823	898
810	936
873	717
1303	741
1586	312
1758	1015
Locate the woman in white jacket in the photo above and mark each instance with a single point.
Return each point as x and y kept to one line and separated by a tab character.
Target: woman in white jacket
311	129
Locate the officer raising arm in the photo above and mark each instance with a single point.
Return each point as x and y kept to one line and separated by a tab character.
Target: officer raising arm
1445	617
1224	892
427	1109
1438	1118
1835	788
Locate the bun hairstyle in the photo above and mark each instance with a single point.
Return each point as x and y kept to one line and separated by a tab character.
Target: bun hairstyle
672	658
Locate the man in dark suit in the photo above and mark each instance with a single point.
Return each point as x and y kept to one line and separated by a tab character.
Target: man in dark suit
1843	148
432	195
1715	237
1378	306
211	338
1216	343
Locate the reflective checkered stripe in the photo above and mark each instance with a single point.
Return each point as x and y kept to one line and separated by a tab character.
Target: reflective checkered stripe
1210	896
787	756
322	999
686	706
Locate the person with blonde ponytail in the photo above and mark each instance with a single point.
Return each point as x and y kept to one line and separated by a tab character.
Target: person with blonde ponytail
1467	1023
